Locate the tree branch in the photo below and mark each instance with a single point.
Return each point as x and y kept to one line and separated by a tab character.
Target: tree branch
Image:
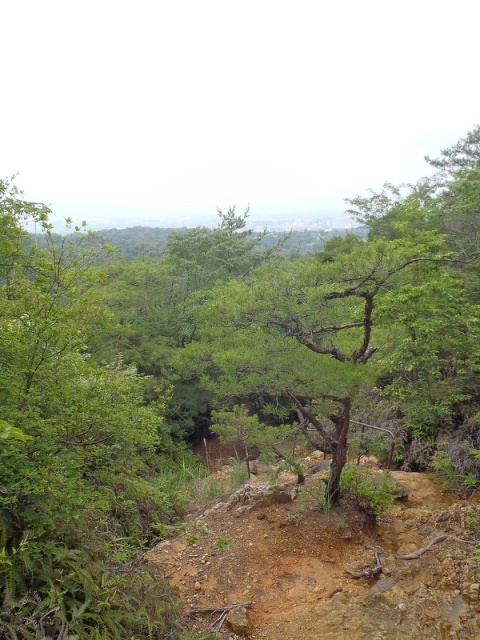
306	417
302	338
362	354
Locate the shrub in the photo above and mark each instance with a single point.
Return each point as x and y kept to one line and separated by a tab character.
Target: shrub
450	472
372	493
76	597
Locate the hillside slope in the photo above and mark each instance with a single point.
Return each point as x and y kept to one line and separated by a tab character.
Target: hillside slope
291	562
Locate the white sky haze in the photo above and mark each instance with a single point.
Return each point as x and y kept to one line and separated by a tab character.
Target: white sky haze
126	112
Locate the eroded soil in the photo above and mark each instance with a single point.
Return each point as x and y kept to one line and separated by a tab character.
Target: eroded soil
291	562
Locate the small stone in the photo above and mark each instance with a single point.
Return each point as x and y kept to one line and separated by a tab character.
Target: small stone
198	586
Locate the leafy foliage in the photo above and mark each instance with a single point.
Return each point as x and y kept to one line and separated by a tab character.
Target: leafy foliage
372	493
79	448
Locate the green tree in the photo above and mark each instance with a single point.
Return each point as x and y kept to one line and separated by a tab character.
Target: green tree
203	256
432	381
432	360
304	330
155	304
238	424
80	447
448	201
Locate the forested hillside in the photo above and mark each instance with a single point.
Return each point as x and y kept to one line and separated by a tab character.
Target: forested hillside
113	363
135	243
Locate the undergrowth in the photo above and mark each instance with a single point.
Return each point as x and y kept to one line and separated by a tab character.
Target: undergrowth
457	462
86	580
372	493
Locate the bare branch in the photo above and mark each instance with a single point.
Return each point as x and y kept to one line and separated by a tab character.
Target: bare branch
195	612
300	336
369	572
306	417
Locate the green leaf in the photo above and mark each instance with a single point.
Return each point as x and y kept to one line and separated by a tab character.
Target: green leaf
7	432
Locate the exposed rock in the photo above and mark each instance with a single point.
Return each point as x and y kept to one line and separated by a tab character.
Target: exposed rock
402	492
252	496
371	462
472	595
292	561
239	621
319	466
257	468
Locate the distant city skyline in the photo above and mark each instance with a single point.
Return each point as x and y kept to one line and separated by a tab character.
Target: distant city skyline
273	222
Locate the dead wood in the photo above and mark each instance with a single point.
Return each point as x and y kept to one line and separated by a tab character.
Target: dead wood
218	623
369	572
419	552
194	612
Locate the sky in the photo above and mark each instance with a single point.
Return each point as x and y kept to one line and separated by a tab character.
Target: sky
159	111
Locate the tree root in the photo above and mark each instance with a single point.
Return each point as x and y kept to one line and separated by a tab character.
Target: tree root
419	552
370	572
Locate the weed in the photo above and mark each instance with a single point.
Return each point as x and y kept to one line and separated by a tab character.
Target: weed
222	543
196	532
239	471
192	539
192	635
325	503
292	517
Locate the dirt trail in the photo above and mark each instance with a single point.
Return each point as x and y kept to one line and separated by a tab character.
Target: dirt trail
290	561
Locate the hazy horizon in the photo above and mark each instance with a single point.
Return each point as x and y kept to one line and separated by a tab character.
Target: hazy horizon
272	221
160	111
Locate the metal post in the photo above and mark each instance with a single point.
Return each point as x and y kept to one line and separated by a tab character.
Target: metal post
359	454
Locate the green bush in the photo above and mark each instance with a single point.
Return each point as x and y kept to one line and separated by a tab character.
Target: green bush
73	596
372	493
445	467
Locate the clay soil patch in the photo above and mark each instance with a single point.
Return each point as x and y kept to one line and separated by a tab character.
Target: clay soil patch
291	561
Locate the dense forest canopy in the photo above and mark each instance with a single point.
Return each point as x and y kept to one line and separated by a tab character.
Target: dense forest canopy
133	243
112	362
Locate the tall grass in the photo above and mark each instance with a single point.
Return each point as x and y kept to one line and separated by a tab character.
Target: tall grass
178	480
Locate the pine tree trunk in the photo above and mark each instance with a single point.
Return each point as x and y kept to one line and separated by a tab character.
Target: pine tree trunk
339	456
339	459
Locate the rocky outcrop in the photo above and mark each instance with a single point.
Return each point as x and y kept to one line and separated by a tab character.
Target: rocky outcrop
255	496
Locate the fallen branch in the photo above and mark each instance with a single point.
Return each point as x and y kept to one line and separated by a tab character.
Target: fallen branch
218	623
194	612
370	572
419	552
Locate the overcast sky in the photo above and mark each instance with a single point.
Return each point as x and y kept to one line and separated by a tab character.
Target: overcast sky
122	112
